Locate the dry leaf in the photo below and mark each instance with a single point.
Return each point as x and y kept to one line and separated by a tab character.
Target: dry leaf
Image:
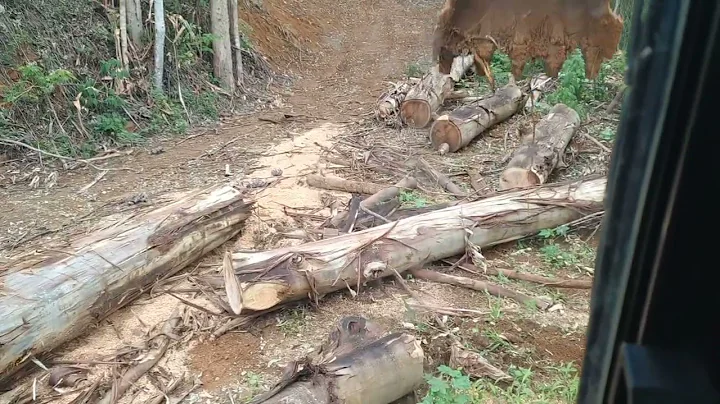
232	284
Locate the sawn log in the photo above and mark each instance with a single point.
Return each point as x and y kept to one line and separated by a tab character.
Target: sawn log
356	365
451	132
58	295
532	162
270	278
425	98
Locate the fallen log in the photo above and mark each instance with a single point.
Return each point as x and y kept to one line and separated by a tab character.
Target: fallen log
426	97
480	286
532	162
270	278
451	132
57	296
341	184
354	366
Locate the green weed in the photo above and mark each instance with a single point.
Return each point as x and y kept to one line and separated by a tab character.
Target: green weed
560	231
450	386
415	70
554	255
293	321
411	198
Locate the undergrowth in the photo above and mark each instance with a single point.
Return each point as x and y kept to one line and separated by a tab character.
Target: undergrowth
62	89
556	384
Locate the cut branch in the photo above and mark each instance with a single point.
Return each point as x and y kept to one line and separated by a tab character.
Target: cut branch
542	280
313	269
452	132
440	178
532	163
426	97
50	300
480	286
373	201
341	184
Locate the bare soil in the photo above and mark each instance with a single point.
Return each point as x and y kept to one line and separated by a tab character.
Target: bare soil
342	57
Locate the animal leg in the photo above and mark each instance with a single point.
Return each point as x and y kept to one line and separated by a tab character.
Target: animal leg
481	64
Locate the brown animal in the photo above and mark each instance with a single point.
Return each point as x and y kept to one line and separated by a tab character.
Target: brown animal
526	29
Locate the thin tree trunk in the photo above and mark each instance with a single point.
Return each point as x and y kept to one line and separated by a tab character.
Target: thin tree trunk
134	22
124	35
222	51
236	45
159	44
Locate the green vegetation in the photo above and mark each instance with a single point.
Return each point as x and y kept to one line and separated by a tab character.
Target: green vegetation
412	199
555	384
63	90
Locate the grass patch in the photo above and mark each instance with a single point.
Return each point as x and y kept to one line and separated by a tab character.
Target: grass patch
412	199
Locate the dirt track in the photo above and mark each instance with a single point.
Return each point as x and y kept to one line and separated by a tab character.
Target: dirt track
358	47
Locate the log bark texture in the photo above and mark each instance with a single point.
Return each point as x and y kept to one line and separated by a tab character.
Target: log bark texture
453	131
532	163
426	97
55	297
354	366
270	278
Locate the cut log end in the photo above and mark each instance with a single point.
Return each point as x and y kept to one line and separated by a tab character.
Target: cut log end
416	113
445	136
264	295
515	177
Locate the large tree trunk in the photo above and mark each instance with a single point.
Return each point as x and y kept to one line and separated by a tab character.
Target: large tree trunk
222	51
235	37
354	366
274	277
159	44
454	131
55	297
425	98
135	22
532	163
